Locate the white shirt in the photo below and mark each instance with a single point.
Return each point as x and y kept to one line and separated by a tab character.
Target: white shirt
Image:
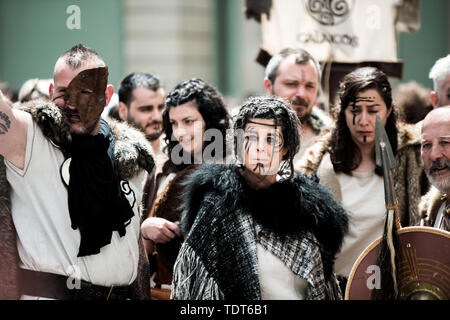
46	241
278	282
363	198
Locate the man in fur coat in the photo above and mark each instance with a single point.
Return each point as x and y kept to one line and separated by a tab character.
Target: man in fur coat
294	74
70	190
435	206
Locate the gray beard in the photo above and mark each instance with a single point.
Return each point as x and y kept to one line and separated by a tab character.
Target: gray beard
440	184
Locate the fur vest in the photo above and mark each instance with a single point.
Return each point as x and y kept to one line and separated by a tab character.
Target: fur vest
429	206
410	182
132	152
167	206
219	215
319	120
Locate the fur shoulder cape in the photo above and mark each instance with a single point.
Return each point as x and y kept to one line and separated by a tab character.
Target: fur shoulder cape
319	120
429	206
133	154
132	151
408	136
299	205
409	177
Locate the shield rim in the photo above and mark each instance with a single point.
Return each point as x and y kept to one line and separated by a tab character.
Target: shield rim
375	243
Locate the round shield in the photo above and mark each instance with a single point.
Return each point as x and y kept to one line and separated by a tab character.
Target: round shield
423	270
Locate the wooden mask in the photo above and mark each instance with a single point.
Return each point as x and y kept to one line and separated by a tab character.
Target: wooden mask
86	92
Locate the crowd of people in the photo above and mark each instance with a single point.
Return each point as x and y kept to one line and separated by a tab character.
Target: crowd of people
168	196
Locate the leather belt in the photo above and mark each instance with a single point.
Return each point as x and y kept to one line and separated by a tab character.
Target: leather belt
54	286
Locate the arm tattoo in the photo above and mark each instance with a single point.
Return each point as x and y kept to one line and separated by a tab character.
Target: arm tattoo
5	123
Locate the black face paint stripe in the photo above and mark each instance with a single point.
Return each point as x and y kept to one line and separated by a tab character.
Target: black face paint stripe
264	124
247	145
259	165
58	97
364	99
354	114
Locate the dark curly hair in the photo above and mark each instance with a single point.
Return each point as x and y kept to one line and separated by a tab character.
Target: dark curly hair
271	108
345	154
209	104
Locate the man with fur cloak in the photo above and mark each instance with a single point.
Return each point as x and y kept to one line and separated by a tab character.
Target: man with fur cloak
434	207
70	190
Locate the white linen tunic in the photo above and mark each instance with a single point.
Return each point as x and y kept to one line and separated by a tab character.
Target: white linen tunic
46	241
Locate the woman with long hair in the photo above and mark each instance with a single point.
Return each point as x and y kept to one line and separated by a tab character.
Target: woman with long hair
194	113
344	161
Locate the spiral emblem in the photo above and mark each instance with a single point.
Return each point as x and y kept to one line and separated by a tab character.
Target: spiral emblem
329	12
128	192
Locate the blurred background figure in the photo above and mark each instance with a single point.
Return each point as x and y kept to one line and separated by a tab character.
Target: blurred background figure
8	92
33	89
413	102
440	74
113	113
141	104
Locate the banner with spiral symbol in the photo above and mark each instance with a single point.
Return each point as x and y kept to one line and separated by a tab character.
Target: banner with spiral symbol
345	31
329	12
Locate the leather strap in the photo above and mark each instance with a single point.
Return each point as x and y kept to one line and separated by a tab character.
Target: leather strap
55	286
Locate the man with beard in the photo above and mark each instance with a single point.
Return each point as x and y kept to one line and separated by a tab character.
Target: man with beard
435	205
293	74
70	188
141	103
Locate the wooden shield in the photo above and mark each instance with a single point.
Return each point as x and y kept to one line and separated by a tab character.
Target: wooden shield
423	271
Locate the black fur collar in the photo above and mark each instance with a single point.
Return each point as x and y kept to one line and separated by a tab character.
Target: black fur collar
131	149
296	205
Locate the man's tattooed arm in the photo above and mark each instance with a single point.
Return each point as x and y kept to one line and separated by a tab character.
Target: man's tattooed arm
13	133
5	123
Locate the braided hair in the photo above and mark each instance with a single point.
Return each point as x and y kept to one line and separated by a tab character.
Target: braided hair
280	111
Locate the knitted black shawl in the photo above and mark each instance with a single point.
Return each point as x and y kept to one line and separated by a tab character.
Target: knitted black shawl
213	196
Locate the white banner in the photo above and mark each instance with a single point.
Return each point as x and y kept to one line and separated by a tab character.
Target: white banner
333	30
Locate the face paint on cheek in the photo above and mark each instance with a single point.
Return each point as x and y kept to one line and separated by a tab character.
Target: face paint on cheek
259	166
354	114
249	133
58	97
278	142
247	145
